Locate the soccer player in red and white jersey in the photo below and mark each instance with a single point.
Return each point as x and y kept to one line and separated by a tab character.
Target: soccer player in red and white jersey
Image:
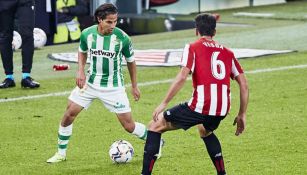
212	66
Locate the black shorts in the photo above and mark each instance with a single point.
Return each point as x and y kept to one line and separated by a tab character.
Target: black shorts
183	117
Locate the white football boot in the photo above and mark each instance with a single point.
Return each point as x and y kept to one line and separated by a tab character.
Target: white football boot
56	158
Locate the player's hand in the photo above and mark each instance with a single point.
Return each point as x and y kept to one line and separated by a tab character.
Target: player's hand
80	79
240	120
136	93
157	111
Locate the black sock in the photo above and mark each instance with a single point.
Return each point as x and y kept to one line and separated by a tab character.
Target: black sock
215	152
151	149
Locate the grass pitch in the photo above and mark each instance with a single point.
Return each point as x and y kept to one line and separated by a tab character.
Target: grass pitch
274	141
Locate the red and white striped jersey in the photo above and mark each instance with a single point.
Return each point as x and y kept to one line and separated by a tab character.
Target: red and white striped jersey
212	65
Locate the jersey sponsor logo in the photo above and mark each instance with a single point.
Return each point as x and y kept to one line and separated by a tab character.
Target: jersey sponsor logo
102	53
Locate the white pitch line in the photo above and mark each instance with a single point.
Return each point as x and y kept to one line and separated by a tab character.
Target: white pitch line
34	96
276	69
149	83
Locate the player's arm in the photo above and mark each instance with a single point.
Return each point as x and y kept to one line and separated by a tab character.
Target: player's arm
80	77
128	52
82	57
134	87
174	88
240	120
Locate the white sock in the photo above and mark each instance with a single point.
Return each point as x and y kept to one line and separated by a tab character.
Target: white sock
140	131
63	138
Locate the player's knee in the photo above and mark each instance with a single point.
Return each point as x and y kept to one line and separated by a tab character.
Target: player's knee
70	114
203	132
206	134
156	126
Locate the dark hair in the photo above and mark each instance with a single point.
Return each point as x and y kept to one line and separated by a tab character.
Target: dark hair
205	24
104	10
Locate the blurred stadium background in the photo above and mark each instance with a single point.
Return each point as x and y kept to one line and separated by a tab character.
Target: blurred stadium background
144	16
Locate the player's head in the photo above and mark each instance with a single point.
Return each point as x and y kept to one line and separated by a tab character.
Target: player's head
104	10
106	17
205	24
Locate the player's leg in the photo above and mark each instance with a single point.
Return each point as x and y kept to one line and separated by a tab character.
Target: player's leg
25	13
152	146
65	128
214	148
77	101
180	116
135	128
65	131
6	37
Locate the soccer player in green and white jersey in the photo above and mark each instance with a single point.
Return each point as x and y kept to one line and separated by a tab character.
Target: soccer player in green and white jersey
106	46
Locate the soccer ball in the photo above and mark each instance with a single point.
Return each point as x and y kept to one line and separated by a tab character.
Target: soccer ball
17	41
40	38
121	151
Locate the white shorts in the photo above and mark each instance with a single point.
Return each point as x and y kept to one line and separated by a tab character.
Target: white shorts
115	100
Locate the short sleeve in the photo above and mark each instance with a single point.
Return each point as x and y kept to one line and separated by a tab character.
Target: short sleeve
128	51
83	43
236	68
188	57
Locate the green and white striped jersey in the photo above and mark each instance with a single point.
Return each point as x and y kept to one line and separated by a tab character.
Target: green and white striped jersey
106	55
